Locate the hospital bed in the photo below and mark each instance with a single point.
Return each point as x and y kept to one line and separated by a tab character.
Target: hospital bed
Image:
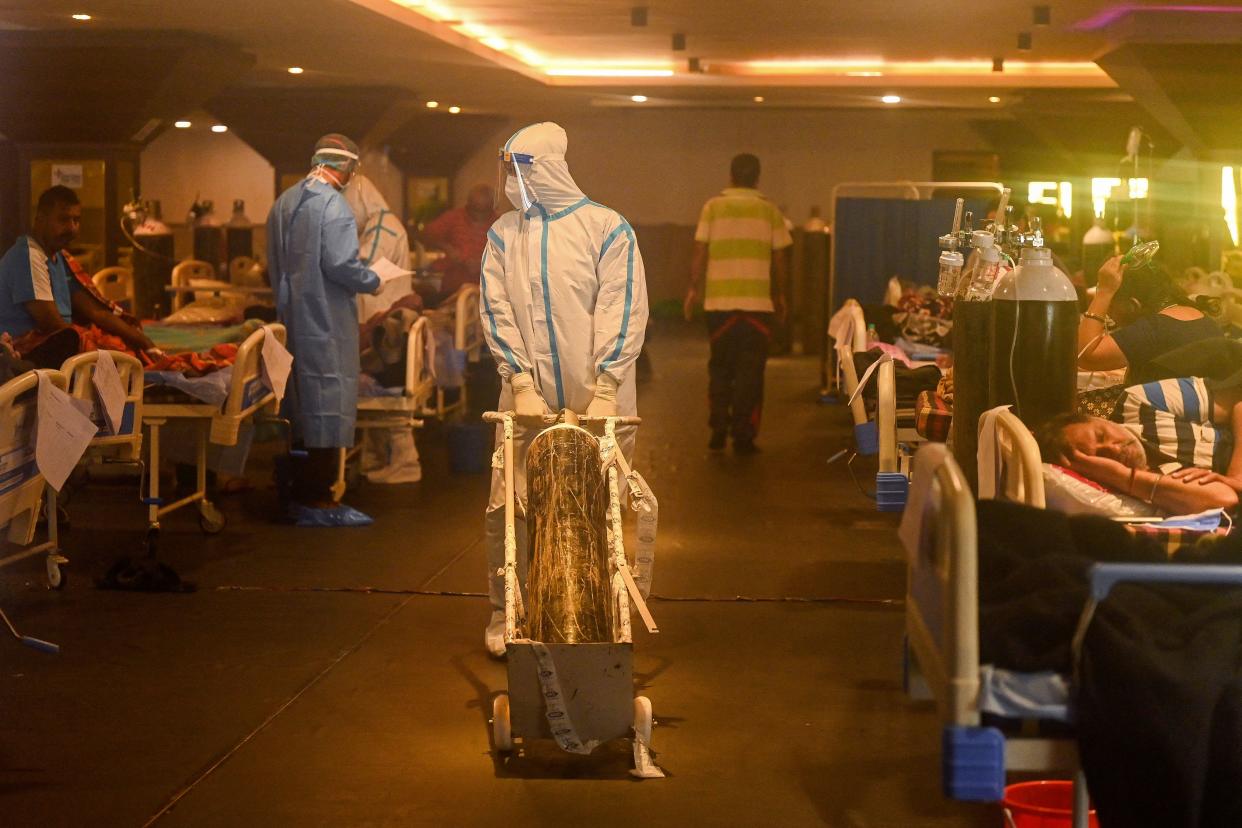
21	484
116	284
461	313
397	411
853	339
124	447
248	397
939	533
1010	466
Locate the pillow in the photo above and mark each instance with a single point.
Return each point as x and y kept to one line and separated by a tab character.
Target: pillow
1074	494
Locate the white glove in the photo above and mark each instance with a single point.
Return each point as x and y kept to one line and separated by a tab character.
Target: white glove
604	404
526	400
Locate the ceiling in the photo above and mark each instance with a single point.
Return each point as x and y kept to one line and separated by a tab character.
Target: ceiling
374	63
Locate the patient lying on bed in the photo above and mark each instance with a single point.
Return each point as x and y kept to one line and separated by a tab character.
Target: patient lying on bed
1170	443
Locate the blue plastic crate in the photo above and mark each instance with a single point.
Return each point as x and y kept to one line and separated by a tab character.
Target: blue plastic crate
891	490
973	763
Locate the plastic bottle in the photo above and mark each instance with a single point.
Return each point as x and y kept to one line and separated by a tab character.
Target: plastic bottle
972	325
1034	339
951	263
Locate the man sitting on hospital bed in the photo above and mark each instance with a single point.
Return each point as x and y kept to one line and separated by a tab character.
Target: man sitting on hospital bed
42	297
1170	443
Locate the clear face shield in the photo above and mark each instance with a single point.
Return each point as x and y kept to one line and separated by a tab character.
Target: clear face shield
513	179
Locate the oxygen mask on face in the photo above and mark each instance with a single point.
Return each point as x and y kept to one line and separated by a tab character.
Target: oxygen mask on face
1141	254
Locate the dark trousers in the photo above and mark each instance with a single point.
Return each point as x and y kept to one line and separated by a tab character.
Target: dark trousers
735	371
315	474
53	351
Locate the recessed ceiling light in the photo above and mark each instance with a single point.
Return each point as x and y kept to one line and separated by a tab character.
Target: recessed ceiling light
454	109
82	17
638	98
867	74
759	99
993	99
432	104
295	70
182	124
219	128
891	99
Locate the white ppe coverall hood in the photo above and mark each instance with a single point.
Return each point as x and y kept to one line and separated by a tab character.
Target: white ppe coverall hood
564	298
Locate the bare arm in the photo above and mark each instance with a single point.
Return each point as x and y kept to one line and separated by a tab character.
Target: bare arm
1173	494
46	316
698	273
780	282
87	311
1098	351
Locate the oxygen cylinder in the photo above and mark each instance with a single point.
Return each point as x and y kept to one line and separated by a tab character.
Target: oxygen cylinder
972	321
153	263
239	233
1097	248
1034	339
208	234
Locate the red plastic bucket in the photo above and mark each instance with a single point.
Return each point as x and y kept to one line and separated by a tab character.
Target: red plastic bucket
1043	804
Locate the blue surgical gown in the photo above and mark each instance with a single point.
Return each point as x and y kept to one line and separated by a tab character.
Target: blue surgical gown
312	254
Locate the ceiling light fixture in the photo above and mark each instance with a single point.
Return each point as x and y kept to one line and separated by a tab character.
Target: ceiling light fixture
219	128
865	74
182	124
432	104
453	110
81	18
891	99
295	70
497	43
638	98
993	99
606	72
759	99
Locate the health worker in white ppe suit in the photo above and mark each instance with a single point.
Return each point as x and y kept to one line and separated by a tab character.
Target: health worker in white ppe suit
389	456
564	308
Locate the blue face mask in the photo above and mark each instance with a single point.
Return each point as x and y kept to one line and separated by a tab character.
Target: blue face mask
1208	521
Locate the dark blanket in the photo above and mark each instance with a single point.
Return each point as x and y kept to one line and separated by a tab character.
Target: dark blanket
910	381
1159	702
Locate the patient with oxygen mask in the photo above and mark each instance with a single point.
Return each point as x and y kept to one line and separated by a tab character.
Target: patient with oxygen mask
1136	315
1170	444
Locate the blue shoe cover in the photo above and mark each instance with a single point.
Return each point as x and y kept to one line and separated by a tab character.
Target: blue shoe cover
337	516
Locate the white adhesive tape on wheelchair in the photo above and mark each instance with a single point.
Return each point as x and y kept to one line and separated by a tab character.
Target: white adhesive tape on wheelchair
557	713
643	501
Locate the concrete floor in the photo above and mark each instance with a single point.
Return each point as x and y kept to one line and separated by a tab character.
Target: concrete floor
284	692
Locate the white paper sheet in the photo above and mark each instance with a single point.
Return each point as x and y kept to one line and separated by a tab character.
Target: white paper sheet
62	434
277	362
110	390
387	271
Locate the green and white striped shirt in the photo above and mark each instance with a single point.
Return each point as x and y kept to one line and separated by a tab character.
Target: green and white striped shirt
741	228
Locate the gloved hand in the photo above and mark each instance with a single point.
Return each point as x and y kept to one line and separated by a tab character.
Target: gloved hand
526	400
604	404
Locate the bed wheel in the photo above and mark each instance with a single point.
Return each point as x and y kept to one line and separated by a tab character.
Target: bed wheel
210	519
502	734
56	577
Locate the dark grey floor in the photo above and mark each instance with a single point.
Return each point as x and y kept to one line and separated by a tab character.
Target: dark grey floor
284	693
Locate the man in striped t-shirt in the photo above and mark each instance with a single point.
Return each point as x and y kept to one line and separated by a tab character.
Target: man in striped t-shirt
740	254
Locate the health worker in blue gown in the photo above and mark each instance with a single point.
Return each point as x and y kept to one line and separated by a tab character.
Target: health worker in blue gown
312	254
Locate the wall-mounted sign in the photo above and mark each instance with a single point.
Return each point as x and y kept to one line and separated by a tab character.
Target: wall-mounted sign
67	175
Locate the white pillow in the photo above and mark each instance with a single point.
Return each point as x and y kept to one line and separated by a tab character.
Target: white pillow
1068	492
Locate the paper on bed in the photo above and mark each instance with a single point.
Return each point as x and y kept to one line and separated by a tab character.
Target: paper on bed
387	271
277	362
62	433
110	390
